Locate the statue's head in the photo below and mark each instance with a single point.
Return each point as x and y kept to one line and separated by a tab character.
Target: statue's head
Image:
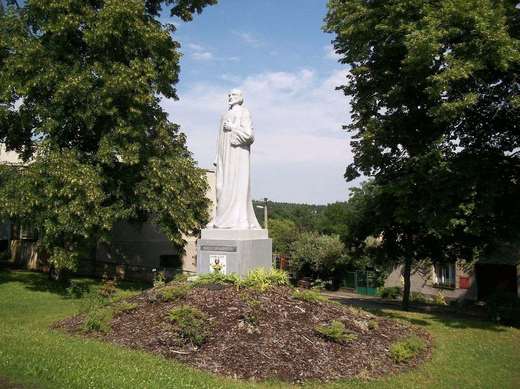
235	97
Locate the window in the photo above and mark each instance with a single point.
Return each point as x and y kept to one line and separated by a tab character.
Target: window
170	261
445	274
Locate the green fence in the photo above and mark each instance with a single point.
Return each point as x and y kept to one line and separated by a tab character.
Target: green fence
363	282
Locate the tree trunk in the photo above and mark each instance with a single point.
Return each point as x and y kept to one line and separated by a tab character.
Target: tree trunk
407	283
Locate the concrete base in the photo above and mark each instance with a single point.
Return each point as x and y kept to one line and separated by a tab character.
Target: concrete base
239	251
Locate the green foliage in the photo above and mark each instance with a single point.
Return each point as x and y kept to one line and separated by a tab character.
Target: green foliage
77	289
305	216
407	349
418	297
98	320
320	256
159	279
262	279
433	86
393	292
108	289
174	292
373	325
124	306
283	232
191	323
217	279
309	296
336	332
439	299
504	308
80	93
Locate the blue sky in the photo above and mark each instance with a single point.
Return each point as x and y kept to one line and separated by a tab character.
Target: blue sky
276	52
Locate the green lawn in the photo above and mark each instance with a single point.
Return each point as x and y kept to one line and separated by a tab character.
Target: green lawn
467	353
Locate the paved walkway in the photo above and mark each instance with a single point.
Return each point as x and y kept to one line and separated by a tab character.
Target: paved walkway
374	302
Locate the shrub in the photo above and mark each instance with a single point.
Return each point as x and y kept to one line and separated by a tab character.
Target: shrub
191	324
504	308
263	279
439	299
336	332
174	292
393	292
418	297
108	289
124	306
373	325
309	296
405	350
77	289
318	256
217	279
98	320
159	278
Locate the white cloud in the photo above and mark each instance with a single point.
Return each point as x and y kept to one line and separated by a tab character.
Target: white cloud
202	56
248	38
300	152
201	53
330	53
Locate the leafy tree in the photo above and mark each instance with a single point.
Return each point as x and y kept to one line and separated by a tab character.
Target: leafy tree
318	256
80	87
283	232
435	101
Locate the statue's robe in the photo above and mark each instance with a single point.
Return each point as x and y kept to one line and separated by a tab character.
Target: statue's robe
234	206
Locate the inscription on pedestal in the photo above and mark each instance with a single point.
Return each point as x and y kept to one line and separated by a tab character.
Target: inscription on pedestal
224	249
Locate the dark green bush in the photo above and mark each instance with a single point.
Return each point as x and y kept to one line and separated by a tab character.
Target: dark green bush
418	297
191	324
504	308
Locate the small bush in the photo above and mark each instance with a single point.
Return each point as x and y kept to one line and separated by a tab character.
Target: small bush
418	297
77	289
253	307
336	332
174	292
217	279
98	320
439	299
159	278
405	350
124	306
373	325
263	279
504	308
393	292
108	289
191	324
309	296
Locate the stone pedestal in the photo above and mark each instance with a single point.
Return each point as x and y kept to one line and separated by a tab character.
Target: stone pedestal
237	251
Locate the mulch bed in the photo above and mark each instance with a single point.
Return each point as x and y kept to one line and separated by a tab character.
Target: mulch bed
282	344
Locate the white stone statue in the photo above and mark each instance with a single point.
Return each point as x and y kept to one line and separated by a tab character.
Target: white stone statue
234	206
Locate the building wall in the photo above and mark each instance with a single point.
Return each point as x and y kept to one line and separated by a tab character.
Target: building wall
8	157
423	281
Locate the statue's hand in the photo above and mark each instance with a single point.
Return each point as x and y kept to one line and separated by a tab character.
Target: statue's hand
228	126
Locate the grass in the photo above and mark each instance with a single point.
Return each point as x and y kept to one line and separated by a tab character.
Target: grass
467	353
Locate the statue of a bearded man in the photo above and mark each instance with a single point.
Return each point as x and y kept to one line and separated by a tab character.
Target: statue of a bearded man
234	206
